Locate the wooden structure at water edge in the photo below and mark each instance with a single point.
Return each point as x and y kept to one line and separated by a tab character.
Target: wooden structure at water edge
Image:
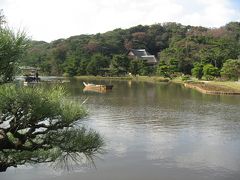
30	75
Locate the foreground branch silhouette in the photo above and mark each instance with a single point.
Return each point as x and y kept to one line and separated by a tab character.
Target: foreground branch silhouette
38	125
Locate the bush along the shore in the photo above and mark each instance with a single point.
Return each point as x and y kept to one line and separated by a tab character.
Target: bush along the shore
210	72
197	71
231	69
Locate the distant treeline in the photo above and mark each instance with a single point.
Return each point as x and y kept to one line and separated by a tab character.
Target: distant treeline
178	48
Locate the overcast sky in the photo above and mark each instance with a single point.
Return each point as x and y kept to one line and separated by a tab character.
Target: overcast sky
53	19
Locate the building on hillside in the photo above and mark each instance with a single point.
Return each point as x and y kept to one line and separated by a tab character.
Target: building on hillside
142	54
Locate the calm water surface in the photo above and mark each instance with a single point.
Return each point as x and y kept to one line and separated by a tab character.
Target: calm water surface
155	132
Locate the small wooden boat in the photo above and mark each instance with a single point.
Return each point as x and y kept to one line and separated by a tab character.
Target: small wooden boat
97	87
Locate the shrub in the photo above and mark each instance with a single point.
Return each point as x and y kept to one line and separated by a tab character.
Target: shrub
231	69
197	71
210	72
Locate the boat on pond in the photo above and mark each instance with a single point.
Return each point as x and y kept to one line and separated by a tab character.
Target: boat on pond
97	87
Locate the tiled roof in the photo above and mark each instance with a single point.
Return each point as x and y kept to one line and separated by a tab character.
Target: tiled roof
150	59
28	68
139	52
143	54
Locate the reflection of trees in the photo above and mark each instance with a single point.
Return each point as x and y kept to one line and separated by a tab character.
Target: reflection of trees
37	126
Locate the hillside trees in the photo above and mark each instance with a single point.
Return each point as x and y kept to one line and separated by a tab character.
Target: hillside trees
186	45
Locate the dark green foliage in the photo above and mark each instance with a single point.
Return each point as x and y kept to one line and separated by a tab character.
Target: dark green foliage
82	70
119	65
134	67
164	70
210	72
71	65
174	65
140	67
39	126
144	68
231	69
98	64
197	71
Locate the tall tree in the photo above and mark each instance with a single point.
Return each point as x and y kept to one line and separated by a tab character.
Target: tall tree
119	65
97	64
231	69
197	71
209	71
2	19
12	49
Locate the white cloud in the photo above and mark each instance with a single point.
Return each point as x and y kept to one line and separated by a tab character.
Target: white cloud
52	19
212	13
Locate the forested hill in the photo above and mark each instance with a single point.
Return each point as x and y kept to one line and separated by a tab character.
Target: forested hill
172	43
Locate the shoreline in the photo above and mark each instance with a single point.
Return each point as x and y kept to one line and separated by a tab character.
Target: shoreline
152	79
205	87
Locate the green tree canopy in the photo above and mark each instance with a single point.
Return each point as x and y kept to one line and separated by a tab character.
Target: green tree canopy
197	71
164	70
231	69
140	67
119	65
209	71
12	48
97	64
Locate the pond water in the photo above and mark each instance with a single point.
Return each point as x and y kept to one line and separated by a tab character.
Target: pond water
154	131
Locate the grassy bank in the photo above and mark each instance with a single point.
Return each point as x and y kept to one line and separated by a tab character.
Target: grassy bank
228	84
214	87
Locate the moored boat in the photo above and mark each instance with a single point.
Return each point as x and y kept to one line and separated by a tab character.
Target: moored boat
99	87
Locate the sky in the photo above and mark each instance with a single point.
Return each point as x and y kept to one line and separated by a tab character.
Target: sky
49	20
